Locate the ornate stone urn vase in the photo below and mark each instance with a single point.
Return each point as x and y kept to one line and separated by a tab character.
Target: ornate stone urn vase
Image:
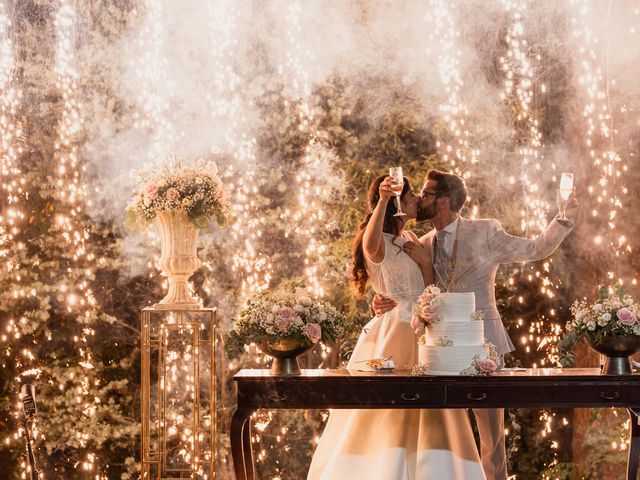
178	259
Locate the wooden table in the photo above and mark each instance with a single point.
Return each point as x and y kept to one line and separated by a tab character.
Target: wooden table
532	388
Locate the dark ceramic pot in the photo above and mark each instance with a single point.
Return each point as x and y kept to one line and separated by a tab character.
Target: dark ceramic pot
617	349
285	355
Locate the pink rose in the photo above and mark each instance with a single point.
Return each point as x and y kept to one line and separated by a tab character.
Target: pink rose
425	298
486	366
283	324
151	191
285	318
313	331
172	194
429	313
627	317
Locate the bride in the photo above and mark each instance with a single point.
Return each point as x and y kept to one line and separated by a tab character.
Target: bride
393	444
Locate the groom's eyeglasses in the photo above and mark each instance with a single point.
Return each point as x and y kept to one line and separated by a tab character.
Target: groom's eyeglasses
424	193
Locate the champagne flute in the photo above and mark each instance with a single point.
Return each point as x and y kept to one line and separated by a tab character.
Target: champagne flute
396	174
566	187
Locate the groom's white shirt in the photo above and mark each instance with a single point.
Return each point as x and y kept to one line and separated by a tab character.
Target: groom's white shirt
482	246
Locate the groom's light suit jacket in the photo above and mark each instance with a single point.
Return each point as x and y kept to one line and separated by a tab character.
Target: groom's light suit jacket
482	245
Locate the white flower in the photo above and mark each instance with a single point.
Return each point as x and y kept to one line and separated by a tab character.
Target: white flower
628	301
597	307
305	301
298	321
298	308
617	304
606	317
432	290
270	317
322	317
275	309
591	325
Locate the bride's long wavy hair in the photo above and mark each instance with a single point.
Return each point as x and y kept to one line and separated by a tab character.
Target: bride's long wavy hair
359	274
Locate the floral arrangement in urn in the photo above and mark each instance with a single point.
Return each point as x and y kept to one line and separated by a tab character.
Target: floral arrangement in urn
611	327
197	192
614	313
285	323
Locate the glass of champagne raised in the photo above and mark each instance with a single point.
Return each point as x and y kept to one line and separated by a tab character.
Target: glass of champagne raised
396	174
566	187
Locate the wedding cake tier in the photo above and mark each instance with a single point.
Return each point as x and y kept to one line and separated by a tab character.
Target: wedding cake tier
456	307
454	342
449	360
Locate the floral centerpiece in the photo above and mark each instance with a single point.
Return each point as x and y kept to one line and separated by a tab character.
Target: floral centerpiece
197	192
285	323
181	200
610	325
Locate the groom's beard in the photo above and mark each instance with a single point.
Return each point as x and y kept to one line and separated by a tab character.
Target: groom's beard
426	213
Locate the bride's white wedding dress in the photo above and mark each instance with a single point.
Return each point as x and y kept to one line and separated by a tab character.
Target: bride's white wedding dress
395	444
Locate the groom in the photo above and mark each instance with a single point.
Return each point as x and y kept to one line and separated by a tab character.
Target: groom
466	255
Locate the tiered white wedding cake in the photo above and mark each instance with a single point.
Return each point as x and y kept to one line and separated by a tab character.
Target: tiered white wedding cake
454	342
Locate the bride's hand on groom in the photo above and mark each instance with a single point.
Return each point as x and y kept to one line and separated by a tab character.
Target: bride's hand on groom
381	305
418	254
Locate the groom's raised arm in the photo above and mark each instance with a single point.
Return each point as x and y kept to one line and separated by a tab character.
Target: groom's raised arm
507	248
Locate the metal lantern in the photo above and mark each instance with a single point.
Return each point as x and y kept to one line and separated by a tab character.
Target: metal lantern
178	393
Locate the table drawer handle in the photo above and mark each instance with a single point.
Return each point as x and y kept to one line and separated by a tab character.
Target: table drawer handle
410	396
609	396
274	397
476	397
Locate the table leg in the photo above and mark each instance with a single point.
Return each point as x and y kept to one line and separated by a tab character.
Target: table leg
247	450
634	444
239	423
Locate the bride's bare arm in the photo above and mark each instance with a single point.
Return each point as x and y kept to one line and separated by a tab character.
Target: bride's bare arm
372	241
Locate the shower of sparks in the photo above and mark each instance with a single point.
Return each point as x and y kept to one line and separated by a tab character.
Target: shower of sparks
519	92
226	108
12	183
13	187
460	154
71	195
309	216
608	193
151	69
249	225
